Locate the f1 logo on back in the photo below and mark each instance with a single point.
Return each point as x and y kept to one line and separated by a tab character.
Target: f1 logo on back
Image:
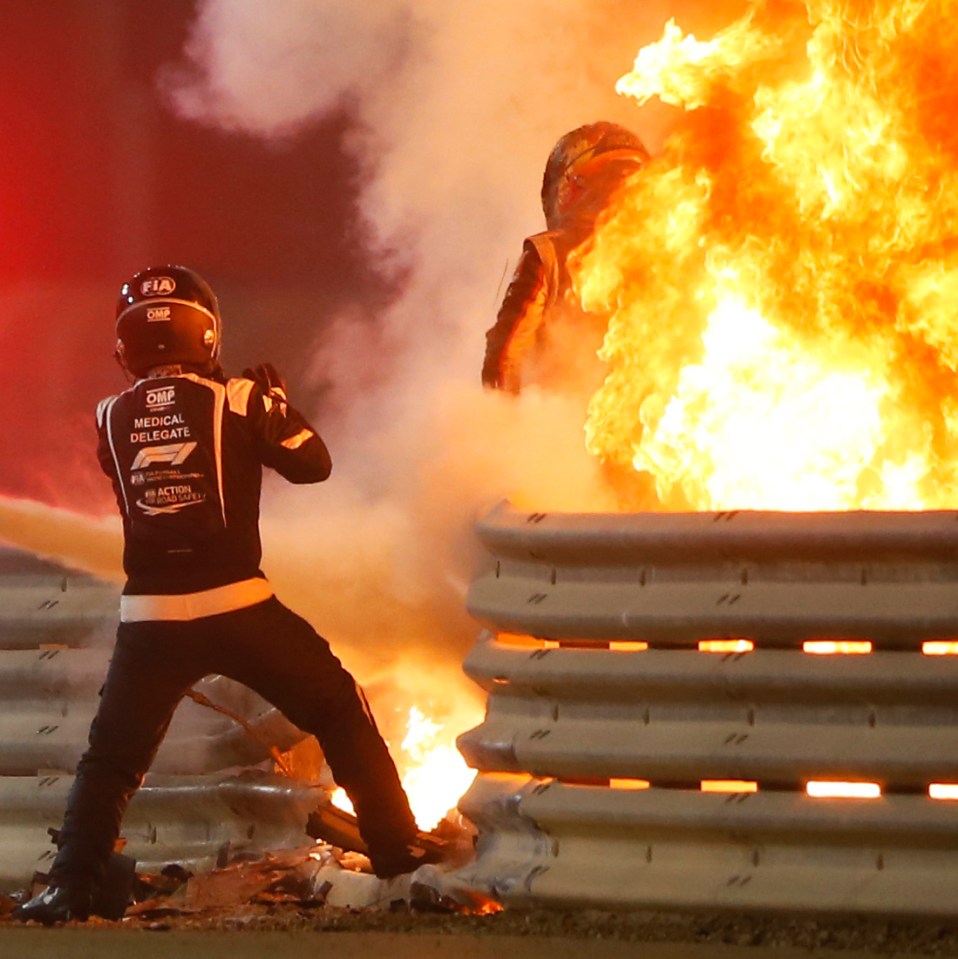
175	495
172	454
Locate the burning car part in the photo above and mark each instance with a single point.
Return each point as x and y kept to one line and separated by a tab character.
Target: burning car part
620	764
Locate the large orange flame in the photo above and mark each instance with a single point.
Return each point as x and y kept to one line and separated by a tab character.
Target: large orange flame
781	284
434	774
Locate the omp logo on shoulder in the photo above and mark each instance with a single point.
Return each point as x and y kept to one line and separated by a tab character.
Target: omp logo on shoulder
165	396
157	286
172	453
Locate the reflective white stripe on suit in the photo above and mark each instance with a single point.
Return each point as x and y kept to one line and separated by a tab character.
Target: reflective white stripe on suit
181	607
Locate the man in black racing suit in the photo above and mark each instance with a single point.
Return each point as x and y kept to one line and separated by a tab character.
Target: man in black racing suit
184	448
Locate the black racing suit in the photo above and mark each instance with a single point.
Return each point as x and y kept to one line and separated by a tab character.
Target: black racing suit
185	455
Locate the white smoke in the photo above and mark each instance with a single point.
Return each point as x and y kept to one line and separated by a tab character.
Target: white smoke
77	541
455	107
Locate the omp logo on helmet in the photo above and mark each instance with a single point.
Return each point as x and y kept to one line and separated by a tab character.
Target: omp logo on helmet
156	314
157	286
163	396
172	453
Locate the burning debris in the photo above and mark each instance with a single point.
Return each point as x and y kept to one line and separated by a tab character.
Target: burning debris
306	879
276	807
309	878
333	870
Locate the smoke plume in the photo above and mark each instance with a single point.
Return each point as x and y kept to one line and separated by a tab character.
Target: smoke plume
454	109
78	541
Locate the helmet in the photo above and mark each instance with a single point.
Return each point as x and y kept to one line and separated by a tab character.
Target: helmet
167	315
572	161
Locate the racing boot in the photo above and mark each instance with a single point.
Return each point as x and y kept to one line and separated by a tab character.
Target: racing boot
389	862
390	855
57	904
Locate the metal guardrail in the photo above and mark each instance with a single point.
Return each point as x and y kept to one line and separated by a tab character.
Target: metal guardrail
51	697
606	722
55	608
56	630
195	821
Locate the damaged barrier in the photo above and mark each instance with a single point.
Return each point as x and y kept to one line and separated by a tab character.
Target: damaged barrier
201	801
660	731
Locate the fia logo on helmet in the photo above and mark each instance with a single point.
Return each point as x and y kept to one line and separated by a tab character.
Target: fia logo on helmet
157	286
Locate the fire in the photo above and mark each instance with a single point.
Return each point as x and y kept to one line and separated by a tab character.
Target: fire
829	789
725	645
940	647
728	786
831	647
434	774
780	284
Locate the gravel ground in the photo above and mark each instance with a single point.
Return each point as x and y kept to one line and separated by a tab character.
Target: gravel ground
852	935
279	893
871	935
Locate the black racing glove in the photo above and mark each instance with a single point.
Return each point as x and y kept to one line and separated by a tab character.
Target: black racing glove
266	376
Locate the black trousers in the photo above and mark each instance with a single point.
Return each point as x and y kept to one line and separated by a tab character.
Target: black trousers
266	647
